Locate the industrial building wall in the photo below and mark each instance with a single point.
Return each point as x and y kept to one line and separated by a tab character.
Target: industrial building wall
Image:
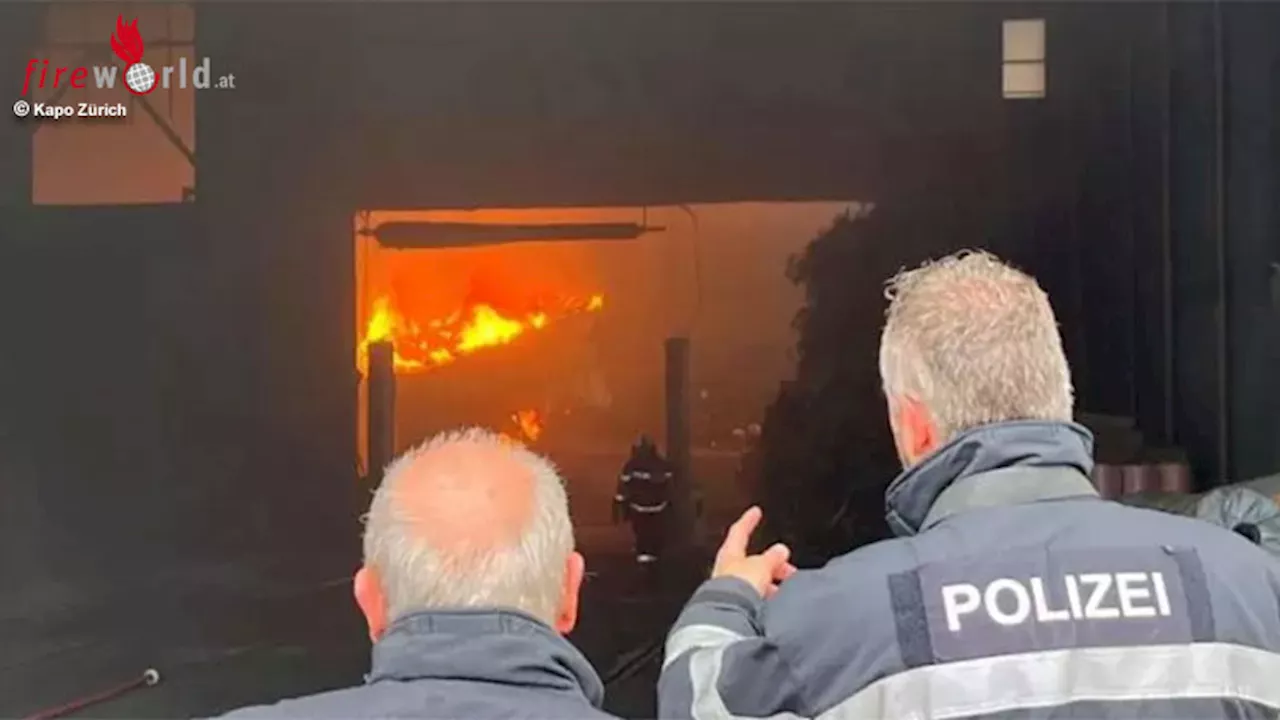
1154	155
462	106
430	105
1251	146
455	105
145	503
1108	188
99	388
1222	126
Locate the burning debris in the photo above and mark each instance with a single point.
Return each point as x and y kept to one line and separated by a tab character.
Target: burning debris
425	346
529	425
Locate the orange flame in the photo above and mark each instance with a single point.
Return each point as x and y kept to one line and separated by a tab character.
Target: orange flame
530	424
440	341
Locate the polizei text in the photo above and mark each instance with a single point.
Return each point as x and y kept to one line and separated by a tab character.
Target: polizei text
1088	596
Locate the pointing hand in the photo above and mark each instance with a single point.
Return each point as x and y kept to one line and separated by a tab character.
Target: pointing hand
765	571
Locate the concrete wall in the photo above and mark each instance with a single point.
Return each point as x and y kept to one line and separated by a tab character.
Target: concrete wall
145	500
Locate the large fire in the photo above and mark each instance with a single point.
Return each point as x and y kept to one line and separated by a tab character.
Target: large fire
424	346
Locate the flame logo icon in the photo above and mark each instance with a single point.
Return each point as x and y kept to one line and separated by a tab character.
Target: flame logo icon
127	44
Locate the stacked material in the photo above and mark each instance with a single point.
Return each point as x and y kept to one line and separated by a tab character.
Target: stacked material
1115	481
1235	507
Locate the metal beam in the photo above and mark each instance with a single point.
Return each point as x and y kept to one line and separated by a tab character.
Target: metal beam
165	129
426	235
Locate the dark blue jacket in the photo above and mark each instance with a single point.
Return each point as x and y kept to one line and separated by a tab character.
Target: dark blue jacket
461	665
1013	592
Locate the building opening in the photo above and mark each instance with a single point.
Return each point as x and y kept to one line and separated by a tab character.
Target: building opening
548	325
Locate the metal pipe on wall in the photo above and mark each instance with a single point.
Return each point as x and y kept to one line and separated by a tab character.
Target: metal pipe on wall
1166	230
1220	239
382	409
1131	236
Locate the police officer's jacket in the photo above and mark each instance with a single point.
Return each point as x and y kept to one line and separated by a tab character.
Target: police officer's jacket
1012	591
461	664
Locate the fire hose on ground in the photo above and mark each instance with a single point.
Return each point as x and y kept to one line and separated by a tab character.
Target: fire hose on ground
629	665
149	678
632	662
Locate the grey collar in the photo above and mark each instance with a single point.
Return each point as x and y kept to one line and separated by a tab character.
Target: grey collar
985	449
1008	486
504	647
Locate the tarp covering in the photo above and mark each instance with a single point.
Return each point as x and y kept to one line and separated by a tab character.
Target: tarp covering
1269	486
1227	507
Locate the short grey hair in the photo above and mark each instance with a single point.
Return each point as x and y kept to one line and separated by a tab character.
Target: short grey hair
976	342
525	574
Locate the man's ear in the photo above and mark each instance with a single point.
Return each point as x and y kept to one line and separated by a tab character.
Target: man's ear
367	588
918	433
574	572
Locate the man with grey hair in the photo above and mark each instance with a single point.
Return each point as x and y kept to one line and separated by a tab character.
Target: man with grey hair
470	580
1012	590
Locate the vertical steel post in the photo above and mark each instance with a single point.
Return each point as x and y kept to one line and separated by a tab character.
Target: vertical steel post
382	409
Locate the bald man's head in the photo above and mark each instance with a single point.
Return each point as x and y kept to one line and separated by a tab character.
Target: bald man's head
469	519
464	495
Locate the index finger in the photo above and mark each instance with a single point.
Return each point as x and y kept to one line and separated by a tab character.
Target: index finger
739	534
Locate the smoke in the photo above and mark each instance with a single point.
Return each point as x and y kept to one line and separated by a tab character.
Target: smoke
826	451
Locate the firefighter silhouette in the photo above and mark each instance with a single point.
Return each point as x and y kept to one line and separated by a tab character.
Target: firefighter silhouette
644	487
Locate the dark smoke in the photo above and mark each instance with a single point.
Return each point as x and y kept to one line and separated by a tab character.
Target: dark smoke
826	453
